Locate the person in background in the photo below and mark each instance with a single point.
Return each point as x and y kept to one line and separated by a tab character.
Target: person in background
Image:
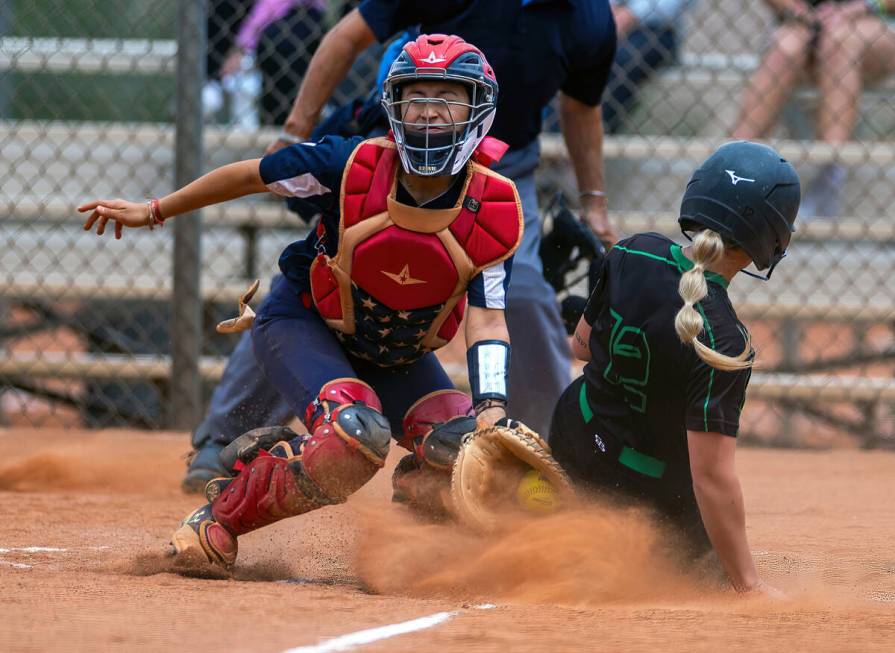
222	23
649	33
281	36
842	45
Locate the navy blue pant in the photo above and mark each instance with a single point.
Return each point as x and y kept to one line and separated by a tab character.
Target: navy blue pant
298	354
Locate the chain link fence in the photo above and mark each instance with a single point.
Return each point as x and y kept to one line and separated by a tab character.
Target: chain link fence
107	98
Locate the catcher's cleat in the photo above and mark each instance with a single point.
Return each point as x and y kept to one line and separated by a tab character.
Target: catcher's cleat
203	464
201	538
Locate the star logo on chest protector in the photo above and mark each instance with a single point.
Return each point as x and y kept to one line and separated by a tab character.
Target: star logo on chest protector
403	277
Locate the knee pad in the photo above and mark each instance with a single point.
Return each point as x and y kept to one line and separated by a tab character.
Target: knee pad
345	452
435	424
336	393
349	437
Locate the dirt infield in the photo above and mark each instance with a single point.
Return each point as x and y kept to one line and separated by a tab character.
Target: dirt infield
85	516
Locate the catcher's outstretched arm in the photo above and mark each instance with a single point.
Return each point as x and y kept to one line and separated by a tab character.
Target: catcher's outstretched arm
225	183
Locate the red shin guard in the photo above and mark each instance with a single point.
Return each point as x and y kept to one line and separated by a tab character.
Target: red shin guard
265	491
345	450
347	447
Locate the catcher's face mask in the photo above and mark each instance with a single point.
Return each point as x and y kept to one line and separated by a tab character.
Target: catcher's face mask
431	123
440	96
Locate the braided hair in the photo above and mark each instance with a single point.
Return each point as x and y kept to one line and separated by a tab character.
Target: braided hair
708	248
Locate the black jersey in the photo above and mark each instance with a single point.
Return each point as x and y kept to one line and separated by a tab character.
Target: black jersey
644	388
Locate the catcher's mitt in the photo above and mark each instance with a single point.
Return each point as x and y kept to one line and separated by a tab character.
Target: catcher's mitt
489	467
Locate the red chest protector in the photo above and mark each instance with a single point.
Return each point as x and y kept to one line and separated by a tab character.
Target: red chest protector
397	260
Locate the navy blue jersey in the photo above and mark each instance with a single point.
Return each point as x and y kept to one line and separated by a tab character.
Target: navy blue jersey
536	48
644	387
313	172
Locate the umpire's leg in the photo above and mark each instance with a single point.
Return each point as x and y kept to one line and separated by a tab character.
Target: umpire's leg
242	400
540	359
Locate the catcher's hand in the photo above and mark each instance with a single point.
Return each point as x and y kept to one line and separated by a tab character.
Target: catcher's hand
121	212
489	467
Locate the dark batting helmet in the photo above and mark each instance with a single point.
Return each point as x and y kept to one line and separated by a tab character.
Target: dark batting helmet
750	195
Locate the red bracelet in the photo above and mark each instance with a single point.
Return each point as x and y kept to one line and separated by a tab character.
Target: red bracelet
155	212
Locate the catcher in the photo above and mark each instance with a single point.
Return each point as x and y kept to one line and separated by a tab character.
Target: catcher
413	225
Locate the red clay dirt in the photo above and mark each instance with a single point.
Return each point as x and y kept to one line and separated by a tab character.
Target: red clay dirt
102	504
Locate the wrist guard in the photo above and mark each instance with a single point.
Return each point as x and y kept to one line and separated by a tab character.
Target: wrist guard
489	364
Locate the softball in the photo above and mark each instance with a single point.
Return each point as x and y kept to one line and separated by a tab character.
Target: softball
536	494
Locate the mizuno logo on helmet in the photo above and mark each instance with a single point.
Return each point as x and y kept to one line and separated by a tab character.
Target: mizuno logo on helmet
432	58
734	179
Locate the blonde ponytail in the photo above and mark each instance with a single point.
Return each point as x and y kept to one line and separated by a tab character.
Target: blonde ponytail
708	248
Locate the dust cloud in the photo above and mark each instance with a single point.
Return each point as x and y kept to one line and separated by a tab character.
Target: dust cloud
587	555
101	462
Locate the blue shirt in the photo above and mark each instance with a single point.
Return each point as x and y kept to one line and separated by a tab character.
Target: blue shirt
536	48
656	12
313	172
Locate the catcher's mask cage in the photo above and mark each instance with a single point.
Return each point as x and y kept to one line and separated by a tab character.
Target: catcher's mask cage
439	58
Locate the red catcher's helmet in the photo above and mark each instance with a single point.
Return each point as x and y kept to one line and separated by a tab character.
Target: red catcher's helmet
440	57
